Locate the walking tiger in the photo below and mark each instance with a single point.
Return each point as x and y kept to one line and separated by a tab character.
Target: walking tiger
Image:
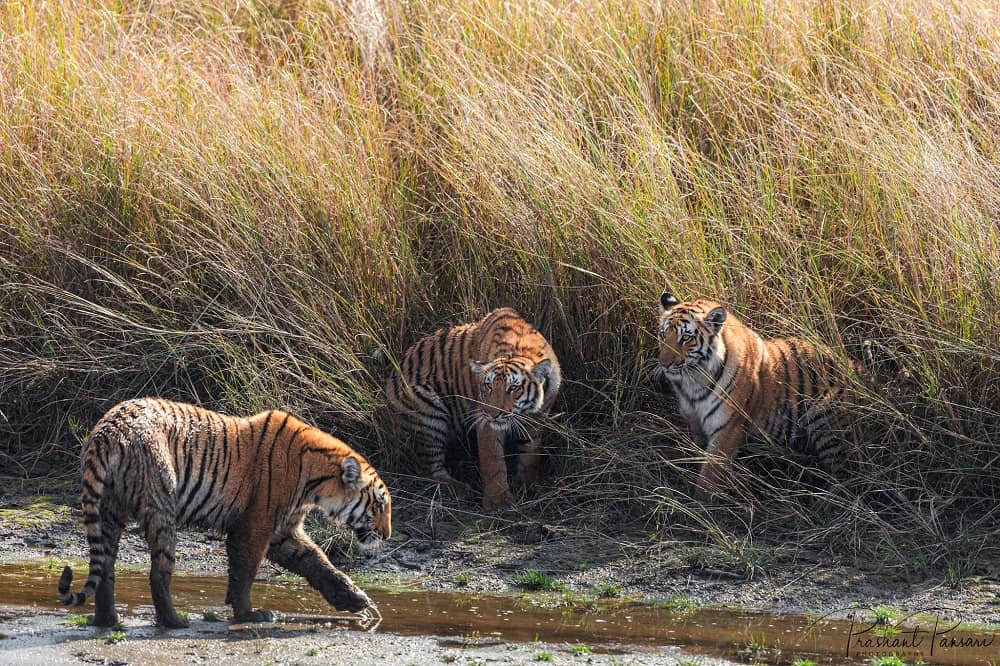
171	465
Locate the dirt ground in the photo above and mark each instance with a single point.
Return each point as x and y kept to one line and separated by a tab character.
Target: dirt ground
453	551
449	550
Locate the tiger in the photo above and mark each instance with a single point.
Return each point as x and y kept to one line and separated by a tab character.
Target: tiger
727	378
170	464
494	376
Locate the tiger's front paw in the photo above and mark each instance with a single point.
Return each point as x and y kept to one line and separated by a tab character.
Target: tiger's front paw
711	484
461	488
352	600
99	620
259	615
495	500
172	621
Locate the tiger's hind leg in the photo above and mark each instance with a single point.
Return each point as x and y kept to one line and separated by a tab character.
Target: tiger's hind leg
824	442
431	429
113	524
161	535
295	551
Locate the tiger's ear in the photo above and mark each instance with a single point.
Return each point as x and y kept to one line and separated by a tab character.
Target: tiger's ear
351	473
715	319
477	367
667	301
541	370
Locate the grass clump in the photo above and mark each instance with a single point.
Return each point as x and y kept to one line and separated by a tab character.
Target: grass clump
755	647
210	616
114	636
568	599
543	656
580	650
887	660
680	605
885	615
533	579
608	590
77	620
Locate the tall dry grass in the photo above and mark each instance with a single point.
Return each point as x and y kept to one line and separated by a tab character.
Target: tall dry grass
260	204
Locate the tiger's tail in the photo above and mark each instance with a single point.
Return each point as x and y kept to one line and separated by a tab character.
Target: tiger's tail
94	477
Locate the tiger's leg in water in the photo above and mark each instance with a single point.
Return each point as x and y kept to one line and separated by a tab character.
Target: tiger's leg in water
112	525
295	551
492	468
161	535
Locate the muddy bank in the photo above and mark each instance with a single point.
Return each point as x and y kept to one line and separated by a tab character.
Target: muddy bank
31	637
414	625
625	600
475	553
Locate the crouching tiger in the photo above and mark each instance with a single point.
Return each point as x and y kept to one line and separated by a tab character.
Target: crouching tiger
493	375
727	378
171	465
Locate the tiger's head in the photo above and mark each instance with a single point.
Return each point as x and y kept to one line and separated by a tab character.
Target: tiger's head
686	331
358	499
510	387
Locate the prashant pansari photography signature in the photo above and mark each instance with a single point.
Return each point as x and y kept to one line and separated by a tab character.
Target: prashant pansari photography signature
921	634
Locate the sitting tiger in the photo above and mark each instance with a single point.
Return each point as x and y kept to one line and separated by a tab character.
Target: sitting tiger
493	375
170	465
727	377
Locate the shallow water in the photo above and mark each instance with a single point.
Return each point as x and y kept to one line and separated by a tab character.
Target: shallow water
462	619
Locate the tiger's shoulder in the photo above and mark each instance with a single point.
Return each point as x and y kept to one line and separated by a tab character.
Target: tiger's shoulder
298	437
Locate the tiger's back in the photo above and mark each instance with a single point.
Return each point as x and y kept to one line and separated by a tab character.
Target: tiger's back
214	462
440	391
206	455
730	382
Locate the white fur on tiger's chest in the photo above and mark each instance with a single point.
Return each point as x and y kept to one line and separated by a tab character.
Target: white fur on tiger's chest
696	389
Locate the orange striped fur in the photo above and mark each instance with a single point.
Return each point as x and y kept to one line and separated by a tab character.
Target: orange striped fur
494	376
727	378
170	465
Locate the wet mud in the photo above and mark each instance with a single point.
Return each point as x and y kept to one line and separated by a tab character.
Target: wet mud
35	624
